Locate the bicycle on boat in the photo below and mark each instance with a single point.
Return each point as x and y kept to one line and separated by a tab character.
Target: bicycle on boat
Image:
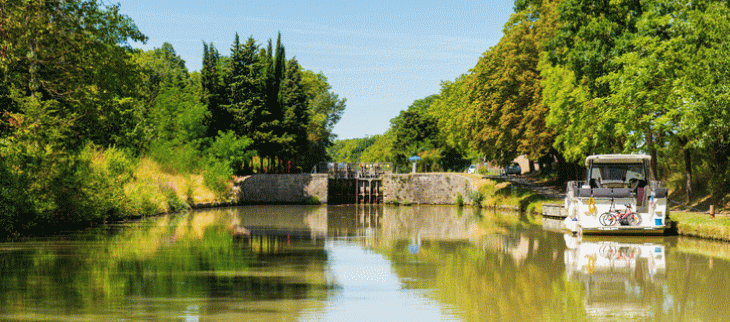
627	217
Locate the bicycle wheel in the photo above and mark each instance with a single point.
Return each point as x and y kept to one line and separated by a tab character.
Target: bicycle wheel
634	219
607	251
607	219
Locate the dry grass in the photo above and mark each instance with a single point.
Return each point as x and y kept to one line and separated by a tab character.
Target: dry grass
151	187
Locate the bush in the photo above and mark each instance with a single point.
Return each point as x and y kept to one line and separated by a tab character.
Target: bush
174	202
484	171
190	191
217	176
55	189
230	149
176	158
477	198
311	201
140	200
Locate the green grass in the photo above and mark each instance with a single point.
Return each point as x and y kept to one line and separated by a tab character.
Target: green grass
702	225
500	193
505	193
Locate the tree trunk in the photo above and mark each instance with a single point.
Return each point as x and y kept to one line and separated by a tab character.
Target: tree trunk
562	167
688	172
652	151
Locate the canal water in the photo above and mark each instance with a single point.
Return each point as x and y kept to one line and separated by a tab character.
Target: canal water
358	263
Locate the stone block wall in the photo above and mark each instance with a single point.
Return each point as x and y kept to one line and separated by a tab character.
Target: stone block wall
426	188
282	188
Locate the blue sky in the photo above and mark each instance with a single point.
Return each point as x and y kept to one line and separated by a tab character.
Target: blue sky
380	55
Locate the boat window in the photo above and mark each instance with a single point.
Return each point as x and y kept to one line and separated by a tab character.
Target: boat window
617	173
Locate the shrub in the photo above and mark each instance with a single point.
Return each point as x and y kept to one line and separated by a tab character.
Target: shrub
190	191
231	149
140	200
174	202
217	176
484	171
311	201
477	198
176	158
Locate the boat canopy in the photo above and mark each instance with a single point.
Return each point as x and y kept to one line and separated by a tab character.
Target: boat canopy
618	158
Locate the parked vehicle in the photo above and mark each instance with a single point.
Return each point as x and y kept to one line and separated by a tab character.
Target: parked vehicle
617	179
472	169
513	168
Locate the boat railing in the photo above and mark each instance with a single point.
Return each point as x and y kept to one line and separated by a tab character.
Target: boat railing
573	186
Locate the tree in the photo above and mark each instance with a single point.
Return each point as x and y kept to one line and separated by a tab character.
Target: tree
586	48
325	109
704	118
245	85
414	132
350	150
213	93
178	116
591	35
628	77
163	68
75	52
296	115
453	117
274	62
380	150
496	109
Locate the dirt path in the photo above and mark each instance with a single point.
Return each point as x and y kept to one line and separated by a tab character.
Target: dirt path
529	183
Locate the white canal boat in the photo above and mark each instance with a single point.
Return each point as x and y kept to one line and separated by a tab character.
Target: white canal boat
618	196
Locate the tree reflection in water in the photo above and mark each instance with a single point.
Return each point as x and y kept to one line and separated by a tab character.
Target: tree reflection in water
299	262
159	269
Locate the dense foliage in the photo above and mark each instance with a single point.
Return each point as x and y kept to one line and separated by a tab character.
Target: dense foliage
80	108
572	78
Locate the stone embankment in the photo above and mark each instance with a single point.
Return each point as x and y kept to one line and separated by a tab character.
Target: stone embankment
282	188
427	188
419	188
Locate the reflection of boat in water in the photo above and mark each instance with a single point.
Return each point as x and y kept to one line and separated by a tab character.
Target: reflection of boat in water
619	277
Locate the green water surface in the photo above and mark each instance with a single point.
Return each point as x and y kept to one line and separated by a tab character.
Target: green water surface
358	263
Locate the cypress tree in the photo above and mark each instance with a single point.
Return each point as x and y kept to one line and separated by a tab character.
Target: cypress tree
246	86
220	119
296	115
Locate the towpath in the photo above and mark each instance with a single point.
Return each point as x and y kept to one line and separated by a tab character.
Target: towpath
530	183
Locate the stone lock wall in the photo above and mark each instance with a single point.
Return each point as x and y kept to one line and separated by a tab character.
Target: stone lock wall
417	188
426	188
282	188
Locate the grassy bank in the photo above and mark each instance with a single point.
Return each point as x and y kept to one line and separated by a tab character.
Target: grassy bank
55	191
702	225
505	194
155	191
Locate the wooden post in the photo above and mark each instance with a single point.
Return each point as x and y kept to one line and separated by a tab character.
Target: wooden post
712	211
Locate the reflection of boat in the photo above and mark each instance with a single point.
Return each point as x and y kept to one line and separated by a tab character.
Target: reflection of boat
618	196
620	278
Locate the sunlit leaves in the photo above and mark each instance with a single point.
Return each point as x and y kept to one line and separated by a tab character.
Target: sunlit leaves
497	108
